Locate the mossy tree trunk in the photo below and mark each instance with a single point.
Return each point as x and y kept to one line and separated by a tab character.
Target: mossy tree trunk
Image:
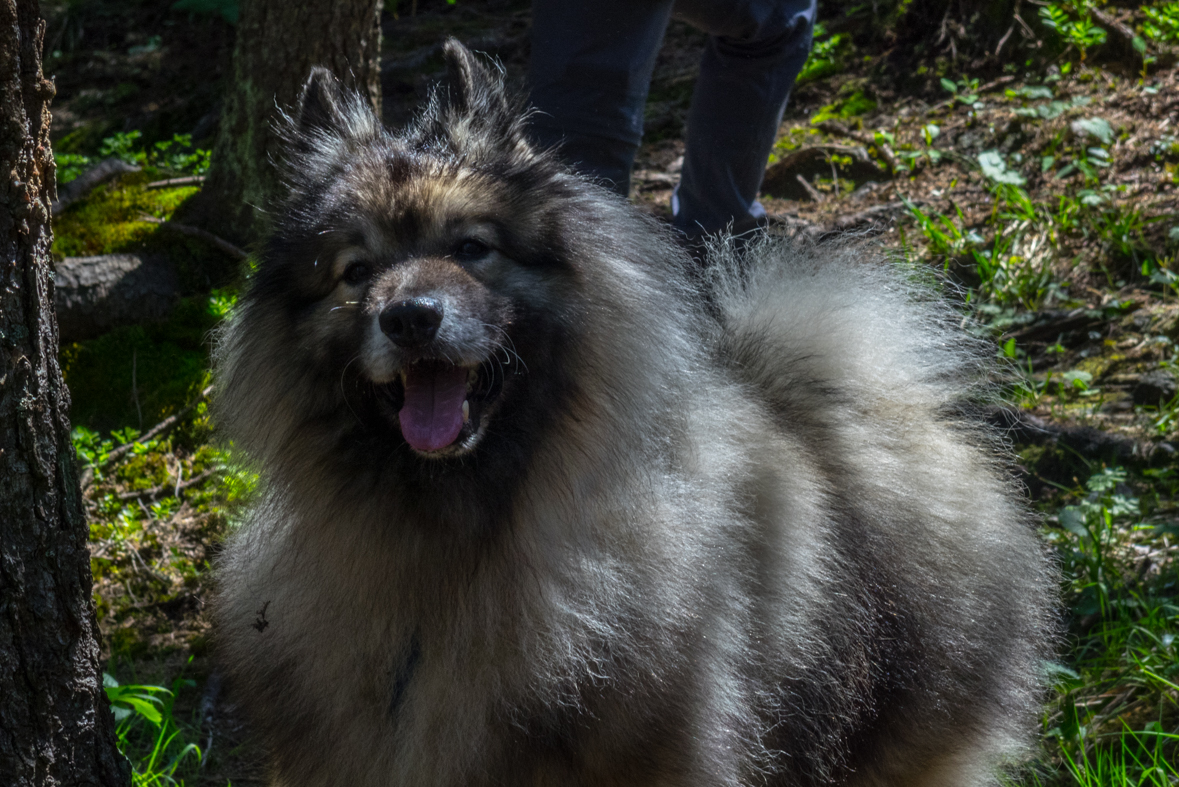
55	724
277	43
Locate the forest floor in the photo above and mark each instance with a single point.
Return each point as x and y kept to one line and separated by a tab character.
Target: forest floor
1047	191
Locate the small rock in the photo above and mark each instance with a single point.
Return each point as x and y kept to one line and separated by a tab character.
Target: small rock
1155	387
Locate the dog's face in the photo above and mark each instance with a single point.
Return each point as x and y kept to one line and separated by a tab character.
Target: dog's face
433	302
421	266
425	286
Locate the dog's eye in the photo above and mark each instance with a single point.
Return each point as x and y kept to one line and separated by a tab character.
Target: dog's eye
357	273
470	250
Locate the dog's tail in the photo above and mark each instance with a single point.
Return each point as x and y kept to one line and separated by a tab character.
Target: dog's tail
842	321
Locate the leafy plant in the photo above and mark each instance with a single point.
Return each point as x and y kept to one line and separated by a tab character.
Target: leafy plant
995	169
148	733
1162	22
1124	657
176	154
826	56
1052	109
1073	23
70	166
964	91
122	146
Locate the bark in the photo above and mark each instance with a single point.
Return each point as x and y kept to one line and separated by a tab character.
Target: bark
55	724
277	44
92	295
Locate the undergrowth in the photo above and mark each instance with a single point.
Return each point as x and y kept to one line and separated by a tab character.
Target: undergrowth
157	744
1115	711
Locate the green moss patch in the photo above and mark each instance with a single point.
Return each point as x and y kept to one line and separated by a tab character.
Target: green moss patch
138	375
110	220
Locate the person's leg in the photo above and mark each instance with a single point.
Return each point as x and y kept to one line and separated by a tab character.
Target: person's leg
589	74
755	50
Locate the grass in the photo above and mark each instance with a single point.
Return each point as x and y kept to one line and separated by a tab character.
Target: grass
160	749
1113	717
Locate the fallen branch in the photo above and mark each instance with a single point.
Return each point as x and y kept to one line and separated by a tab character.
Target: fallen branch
172	183
810	190
95	176
864	138
780	177
157	430
196	232
1024	427
870	216
155	491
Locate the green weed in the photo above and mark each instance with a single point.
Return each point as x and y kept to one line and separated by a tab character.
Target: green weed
1072	22
175	156
827	55
1114	719
148	733
1162	22
964	91
1013	267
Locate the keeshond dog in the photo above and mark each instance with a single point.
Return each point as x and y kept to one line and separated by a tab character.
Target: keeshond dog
541	505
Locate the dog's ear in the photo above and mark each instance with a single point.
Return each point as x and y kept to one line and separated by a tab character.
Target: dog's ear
473	90
321	104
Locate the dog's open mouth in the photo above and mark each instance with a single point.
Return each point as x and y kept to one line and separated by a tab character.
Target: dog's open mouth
440	407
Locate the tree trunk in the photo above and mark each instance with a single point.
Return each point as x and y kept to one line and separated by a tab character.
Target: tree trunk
277	44
56	725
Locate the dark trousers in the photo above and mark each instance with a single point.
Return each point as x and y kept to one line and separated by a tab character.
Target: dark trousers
591	68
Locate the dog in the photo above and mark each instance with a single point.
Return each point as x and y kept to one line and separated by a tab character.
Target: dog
542	504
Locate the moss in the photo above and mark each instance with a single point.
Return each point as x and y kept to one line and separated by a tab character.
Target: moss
109	221
162	367
126	642
1100	365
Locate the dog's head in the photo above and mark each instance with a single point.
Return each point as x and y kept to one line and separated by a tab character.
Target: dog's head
430	300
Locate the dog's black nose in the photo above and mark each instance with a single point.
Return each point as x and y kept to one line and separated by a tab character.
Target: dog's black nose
412	323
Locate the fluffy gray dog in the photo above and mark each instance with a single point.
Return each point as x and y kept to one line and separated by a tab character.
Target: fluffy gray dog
533	513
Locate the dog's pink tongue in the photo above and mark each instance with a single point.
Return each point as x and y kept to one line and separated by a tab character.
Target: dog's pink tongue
432	415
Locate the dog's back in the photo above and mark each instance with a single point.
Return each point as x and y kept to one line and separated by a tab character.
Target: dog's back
938	597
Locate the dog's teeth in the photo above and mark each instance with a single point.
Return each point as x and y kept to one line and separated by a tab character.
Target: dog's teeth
466	411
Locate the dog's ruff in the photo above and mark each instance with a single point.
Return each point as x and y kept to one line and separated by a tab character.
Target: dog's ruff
676	533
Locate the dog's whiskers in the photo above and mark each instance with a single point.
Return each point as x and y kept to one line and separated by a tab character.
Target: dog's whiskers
508	346
343	392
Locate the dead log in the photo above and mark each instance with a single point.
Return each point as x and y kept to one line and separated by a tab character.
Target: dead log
92	295
863	137
781	178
